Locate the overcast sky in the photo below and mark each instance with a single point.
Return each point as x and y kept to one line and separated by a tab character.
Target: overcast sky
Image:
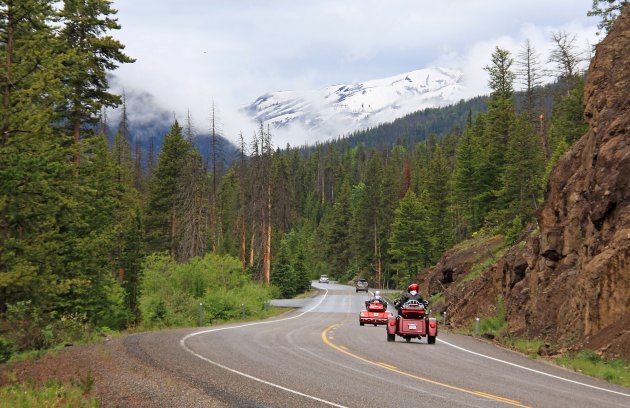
191	52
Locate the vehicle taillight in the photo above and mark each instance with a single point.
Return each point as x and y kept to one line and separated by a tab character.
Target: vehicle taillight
432	325
392	322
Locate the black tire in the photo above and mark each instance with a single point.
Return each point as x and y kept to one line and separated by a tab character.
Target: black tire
431	339
361	323
391	337
375	325
408	339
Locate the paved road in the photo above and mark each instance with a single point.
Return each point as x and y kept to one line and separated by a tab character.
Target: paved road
319	356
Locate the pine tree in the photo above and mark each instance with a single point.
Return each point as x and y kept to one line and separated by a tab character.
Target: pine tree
161	224
436	202
282	274
89	54
409	244
35	178
523	172
608	11
131	260
192	207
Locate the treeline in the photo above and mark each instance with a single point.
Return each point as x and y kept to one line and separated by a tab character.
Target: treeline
90	231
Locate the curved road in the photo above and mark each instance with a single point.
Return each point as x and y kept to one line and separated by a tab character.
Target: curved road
318	356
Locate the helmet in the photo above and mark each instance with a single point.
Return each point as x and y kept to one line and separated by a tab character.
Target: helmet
413	286
377	294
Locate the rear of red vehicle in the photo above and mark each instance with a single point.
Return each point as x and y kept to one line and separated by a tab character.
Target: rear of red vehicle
375	314
412	323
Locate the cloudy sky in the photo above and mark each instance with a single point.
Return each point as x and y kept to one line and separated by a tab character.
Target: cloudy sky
193	52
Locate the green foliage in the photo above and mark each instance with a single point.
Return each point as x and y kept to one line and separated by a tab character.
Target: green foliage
53	394
7	348
496	324
409	241
607	11
161	222
171	292
525	346
616	371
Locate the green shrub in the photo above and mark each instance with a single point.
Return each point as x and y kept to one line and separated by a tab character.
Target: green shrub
171	292
6	349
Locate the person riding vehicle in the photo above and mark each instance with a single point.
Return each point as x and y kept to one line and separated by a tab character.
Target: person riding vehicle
411	294
376	298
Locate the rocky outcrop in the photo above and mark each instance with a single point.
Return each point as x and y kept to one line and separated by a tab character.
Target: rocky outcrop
579	272
570	282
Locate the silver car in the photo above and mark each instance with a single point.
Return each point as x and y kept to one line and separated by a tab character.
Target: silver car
323	279
362	285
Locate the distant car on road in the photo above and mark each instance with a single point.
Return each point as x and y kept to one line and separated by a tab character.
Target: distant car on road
362	285
323	279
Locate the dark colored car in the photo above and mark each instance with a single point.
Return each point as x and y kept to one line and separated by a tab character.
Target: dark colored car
362	285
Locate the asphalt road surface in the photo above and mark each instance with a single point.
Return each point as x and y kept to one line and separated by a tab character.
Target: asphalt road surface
319	356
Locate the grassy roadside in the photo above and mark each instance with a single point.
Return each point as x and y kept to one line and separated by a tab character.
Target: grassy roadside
587	362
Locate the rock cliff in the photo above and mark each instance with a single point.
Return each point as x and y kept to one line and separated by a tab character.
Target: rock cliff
570	281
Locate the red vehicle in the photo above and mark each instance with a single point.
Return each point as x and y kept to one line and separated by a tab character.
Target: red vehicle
412	322
375	314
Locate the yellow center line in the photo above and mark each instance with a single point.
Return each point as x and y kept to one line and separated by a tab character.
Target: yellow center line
393	369
387	365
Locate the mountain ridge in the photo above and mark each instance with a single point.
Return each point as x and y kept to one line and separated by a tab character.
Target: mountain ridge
345	108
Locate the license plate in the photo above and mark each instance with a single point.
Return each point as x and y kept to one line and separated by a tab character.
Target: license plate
375	314
412	326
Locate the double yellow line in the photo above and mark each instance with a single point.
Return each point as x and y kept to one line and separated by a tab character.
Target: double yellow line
396	370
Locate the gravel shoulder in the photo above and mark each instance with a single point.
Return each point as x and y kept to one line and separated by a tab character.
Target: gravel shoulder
122	373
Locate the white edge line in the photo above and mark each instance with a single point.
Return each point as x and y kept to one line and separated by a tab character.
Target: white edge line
532	370
182	342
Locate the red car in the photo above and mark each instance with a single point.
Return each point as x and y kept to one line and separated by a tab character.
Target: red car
375	314
412	322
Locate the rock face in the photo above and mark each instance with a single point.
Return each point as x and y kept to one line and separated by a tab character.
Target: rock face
579	271
570	283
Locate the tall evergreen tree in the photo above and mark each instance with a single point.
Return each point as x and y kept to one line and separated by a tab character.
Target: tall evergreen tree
409	244
89	53
162	223
523	172
436	203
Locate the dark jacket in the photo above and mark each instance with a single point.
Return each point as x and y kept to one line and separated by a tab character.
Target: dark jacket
408	296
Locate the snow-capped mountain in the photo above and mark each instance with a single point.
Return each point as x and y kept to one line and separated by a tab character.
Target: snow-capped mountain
341	109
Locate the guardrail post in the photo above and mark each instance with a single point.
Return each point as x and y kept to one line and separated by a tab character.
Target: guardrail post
200	314
243	310
477	326
444	320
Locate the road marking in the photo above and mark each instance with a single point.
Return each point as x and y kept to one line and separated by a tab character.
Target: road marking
387	365
182	342
532	370
452	387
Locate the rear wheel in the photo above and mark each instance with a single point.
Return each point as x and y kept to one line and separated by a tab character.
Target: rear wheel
391	337
361	323
431	339
408	339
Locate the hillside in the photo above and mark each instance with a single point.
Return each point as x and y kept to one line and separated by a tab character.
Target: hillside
567	282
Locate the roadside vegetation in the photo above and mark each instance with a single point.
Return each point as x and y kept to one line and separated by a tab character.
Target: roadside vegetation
616	371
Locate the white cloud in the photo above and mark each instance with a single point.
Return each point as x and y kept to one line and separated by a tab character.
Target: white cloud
192	52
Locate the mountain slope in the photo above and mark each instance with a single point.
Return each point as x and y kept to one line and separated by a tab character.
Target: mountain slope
342	109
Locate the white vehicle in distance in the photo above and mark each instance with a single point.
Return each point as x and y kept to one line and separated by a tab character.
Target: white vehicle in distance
323	279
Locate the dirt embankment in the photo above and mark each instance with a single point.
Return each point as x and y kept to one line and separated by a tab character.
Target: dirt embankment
569	282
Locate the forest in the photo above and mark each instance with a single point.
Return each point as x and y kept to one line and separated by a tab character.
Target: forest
100	234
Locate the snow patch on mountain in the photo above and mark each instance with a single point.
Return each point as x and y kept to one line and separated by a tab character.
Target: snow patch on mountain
341	109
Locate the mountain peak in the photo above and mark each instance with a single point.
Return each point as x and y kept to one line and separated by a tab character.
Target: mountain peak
343	108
